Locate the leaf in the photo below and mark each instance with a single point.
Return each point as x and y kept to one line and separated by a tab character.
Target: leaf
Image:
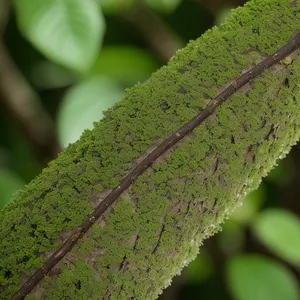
68	32
279	230
9	184
257	277
115	6
47	75
222	15
165	6
250	206
232	238
125	64
83	105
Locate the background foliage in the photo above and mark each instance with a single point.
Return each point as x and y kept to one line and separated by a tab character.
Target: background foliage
64	62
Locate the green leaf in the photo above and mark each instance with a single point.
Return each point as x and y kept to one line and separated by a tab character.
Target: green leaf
250	206
115	6
223	14
68	32
9	184
83	105
232	238
257	277
279	230
125	64
165	6
47	75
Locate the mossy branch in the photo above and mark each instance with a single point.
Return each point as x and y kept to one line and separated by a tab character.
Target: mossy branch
154	227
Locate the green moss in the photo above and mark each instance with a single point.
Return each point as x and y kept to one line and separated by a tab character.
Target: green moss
78	281
156	227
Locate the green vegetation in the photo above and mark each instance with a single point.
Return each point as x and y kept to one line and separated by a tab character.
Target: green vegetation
156	227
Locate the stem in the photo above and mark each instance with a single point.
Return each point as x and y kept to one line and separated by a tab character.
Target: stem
160	38
22	102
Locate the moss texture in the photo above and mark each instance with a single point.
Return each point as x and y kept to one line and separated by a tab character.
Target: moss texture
155	228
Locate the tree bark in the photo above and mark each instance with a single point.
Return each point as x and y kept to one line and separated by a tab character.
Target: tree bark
89	227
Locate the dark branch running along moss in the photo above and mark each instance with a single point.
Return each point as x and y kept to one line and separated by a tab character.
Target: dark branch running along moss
83	243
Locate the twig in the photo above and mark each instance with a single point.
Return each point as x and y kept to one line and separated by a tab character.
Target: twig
4	14
217	5
160	38
23	103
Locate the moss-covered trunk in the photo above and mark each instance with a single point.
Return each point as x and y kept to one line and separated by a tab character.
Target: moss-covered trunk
155	227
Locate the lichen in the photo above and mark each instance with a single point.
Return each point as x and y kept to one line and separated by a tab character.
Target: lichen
156	227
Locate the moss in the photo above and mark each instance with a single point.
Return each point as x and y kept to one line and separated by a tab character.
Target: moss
156	227
76	282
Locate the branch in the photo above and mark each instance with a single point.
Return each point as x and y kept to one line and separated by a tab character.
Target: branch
217	5
23	103
4	14
124	209
158	152
24	106
160	38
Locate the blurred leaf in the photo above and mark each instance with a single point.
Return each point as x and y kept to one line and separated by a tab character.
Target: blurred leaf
255	277
222	15
165	6
279	230
232	237
83	105
9	184
250	206
68	32
47	75
125	64
200	269
115	6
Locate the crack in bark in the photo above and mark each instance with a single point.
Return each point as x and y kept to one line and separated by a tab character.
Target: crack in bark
108	293
124	264
159	238
168	143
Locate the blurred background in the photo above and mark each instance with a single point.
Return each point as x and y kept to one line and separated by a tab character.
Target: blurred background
63	62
